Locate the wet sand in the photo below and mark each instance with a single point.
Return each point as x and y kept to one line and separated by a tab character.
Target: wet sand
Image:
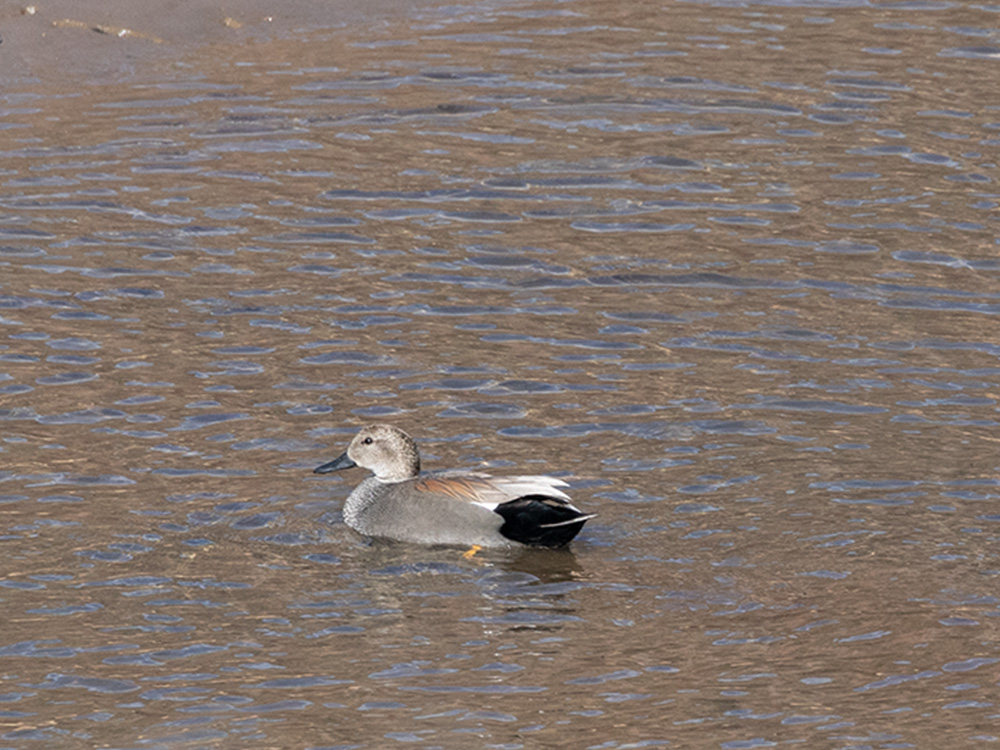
110	41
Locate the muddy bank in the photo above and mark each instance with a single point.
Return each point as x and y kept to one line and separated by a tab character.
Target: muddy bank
106	41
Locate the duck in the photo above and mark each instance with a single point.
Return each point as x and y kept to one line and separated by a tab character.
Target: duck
455	507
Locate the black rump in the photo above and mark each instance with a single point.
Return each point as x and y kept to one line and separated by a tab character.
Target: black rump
540	521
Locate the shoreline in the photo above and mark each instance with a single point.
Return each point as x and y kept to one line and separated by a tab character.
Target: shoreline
95	42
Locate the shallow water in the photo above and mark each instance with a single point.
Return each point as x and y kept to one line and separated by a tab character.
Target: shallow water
731	271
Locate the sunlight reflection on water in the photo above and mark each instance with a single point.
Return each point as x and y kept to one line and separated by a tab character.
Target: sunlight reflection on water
727	270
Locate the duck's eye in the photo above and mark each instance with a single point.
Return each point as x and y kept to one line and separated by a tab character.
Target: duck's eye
367	441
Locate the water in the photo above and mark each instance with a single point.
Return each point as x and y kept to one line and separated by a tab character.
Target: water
728	269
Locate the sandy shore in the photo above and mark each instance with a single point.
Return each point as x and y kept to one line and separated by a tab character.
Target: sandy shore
106	41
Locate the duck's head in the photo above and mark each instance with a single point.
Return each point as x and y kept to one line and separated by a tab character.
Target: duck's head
388	452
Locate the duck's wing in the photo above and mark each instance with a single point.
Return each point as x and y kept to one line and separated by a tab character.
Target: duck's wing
490	491
534	509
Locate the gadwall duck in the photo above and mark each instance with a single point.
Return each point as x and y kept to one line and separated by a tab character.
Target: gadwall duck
451	507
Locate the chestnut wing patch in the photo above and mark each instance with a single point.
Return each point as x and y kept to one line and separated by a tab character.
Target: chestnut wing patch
468	488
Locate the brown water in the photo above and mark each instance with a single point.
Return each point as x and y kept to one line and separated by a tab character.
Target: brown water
732	271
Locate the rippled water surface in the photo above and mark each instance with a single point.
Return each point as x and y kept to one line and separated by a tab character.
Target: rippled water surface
730	269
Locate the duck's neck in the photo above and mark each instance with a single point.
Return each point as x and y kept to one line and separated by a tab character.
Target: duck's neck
400	474
403	466
390	479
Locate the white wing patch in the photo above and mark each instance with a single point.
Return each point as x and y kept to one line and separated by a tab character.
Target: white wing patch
489	491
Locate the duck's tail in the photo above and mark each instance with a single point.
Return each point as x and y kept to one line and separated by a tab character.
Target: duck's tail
541	521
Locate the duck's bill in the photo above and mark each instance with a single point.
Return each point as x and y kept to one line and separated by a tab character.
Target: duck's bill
340	462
